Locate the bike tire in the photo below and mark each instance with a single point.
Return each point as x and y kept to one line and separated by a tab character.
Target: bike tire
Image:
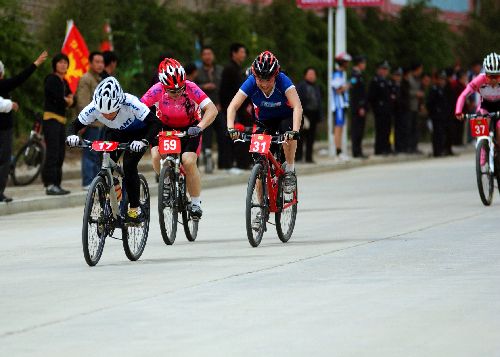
285	218
32	156
167	205
189	223
485	183
253	205
97	191
135	236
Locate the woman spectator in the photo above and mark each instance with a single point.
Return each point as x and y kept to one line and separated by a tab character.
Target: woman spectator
58	97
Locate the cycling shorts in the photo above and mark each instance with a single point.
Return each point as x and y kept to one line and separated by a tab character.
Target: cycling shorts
491	107
274	126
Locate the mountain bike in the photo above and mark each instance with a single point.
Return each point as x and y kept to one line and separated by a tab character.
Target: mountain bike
487	161
28	162
104	211
265	191
172	194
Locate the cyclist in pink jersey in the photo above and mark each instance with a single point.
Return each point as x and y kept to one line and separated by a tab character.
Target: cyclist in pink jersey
488	86
181	105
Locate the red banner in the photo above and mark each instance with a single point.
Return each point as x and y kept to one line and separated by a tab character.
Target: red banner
357	3
306	4
75	48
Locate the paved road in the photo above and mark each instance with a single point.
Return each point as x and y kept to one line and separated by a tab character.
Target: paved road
393	260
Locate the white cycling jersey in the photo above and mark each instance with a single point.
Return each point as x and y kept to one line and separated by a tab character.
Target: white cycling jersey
130	116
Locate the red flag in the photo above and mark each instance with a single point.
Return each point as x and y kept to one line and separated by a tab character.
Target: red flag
107	43
75	48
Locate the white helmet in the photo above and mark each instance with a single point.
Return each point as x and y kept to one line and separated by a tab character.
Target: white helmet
108	96
491	63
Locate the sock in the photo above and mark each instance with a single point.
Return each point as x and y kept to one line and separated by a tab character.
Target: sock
339	151
196	201
289	168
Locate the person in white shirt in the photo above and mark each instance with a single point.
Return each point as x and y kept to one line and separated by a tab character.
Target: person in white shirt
6	105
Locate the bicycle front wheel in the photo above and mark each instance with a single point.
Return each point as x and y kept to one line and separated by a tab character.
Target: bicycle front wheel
135	236
95	221
28	163
256	205
167	205
285	218
483	173
190	224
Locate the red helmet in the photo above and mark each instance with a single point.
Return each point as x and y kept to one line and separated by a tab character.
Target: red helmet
171	74
266	65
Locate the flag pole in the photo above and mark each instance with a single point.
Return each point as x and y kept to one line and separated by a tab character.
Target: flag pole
331	144
69	24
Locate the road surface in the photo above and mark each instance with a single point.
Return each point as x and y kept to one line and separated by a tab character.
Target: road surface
388	260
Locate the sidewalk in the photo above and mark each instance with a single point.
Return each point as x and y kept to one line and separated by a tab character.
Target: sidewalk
33	197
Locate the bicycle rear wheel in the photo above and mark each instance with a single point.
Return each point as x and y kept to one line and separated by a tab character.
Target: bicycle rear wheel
484	176
167	205
255	206
95	221
135	236
28	163
285	219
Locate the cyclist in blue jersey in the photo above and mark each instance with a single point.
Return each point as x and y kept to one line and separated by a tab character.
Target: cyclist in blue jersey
277	108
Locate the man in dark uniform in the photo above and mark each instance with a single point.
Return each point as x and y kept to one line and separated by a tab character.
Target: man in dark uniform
397	109
358	105
379	96
439	107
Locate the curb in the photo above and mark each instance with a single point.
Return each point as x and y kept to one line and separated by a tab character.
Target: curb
78	198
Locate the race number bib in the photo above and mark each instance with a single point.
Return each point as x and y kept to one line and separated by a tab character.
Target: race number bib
479	127
106	146
260	143
169	145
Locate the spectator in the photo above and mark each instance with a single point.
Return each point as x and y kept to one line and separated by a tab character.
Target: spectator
191	72
416	99
358	106
110	64
6	105
208	79
231	79
458	125
310	97
7	85
379	96
58	97
397	109
91	160
340	100
404	115
439	108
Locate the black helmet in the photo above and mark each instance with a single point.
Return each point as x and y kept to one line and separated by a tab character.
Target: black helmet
266	65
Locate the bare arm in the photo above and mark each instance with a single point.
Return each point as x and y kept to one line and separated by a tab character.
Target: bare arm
294	101
235	104
209	114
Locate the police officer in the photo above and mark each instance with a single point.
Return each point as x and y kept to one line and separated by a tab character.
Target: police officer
397	109
439	105
379	96
358	105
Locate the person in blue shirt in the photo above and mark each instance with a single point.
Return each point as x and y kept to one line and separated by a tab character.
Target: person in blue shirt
340	99
277	108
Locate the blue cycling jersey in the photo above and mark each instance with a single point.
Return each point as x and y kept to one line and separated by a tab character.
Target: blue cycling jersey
276	105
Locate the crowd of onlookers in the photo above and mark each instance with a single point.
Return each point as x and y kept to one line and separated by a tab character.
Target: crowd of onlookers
406	103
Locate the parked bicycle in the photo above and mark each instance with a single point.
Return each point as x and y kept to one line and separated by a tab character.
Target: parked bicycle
105	211
172	194
28	162
266	191
487	161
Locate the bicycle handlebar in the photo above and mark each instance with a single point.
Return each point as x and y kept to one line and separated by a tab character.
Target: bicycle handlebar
275	139
179	134
84	144
493	115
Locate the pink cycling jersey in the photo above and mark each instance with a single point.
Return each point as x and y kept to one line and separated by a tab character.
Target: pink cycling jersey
479	85
177	113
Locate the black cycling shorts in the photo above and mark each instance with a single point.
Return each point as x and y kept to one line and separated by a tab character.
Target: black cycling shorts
274	126
491	107
188	143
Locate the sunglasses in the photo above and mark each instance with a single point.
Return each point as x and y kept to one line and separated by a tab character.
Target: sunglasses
176	91
493	76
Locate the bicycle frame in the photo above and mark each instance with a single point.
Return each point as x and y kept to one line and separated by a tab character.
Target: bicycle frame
106	170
